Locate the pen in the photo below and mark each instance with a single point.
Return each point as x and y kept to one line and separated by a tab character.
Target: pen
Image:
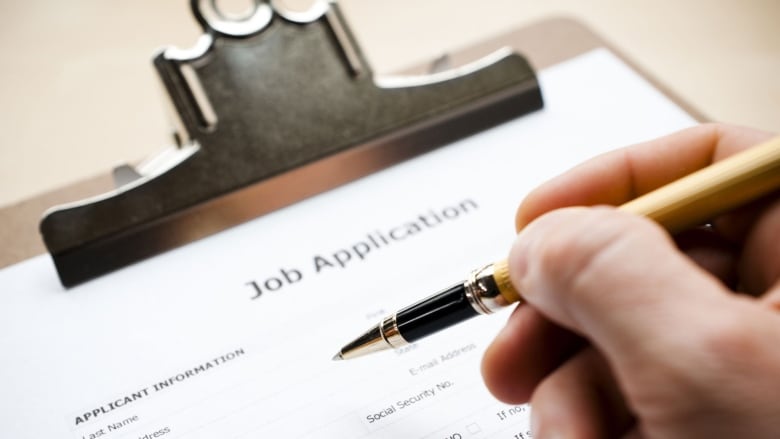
681	204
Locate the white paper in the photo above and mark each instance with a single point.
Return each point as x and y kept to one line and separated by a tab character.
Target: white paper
88	362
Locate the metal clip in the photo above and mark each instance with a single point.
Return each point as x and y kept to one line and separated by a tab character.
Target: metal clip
270	108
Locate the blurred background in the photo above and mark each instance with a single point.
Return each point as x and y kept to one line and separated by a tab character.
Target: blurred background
80	96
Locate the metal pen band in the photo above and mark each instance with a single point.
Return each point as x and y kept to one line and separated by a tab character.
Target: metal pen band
390	333
482	292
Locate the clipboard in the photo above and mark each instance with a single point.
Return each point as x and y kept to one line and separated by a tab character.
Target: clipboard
141	339
544	44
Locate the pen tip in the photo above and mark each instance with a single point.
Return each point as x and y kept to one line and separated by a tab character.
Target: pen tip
338	357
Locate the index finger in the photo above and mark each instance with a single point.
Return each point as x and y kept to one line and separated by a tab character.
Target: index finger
622	175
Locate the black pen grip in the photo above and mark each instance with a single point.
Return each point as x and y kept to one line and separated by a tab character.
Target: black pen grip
435	313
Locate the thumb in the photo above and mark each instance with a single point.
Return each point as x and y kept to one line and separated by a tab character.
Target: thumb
612	277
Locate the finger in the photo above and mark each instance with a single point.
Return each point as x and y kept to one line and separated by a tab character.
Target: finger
619	176
760	264
633	434
736	225
711	252
526	350
580	400
612	277
773	299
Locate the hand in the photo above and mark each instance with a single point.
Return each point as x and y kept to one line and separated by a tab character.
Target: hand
629	333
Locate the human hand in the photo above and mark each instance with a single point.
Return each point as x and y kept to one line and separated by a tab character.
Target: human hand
629	333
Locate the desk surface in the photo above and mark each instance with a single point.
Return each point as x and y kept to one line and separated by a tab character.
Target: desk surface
80	95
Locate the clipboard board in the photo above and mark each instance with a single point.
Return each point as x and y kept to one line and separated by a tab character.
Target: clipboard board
132	346
544	44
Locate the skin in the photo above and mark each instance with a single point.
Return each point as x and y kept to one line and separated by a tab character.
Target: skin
628	332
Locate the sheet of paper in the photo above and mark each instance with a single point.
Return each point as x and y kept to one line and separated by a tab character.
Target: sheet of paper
232	336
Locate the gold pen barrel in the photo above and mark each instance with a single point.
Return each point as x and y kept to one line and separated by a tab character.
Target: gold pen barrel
503	283
684	203
713	190
695	198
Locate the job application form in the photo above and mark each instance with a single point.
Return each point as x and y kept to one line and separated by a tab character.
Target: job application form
232	336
